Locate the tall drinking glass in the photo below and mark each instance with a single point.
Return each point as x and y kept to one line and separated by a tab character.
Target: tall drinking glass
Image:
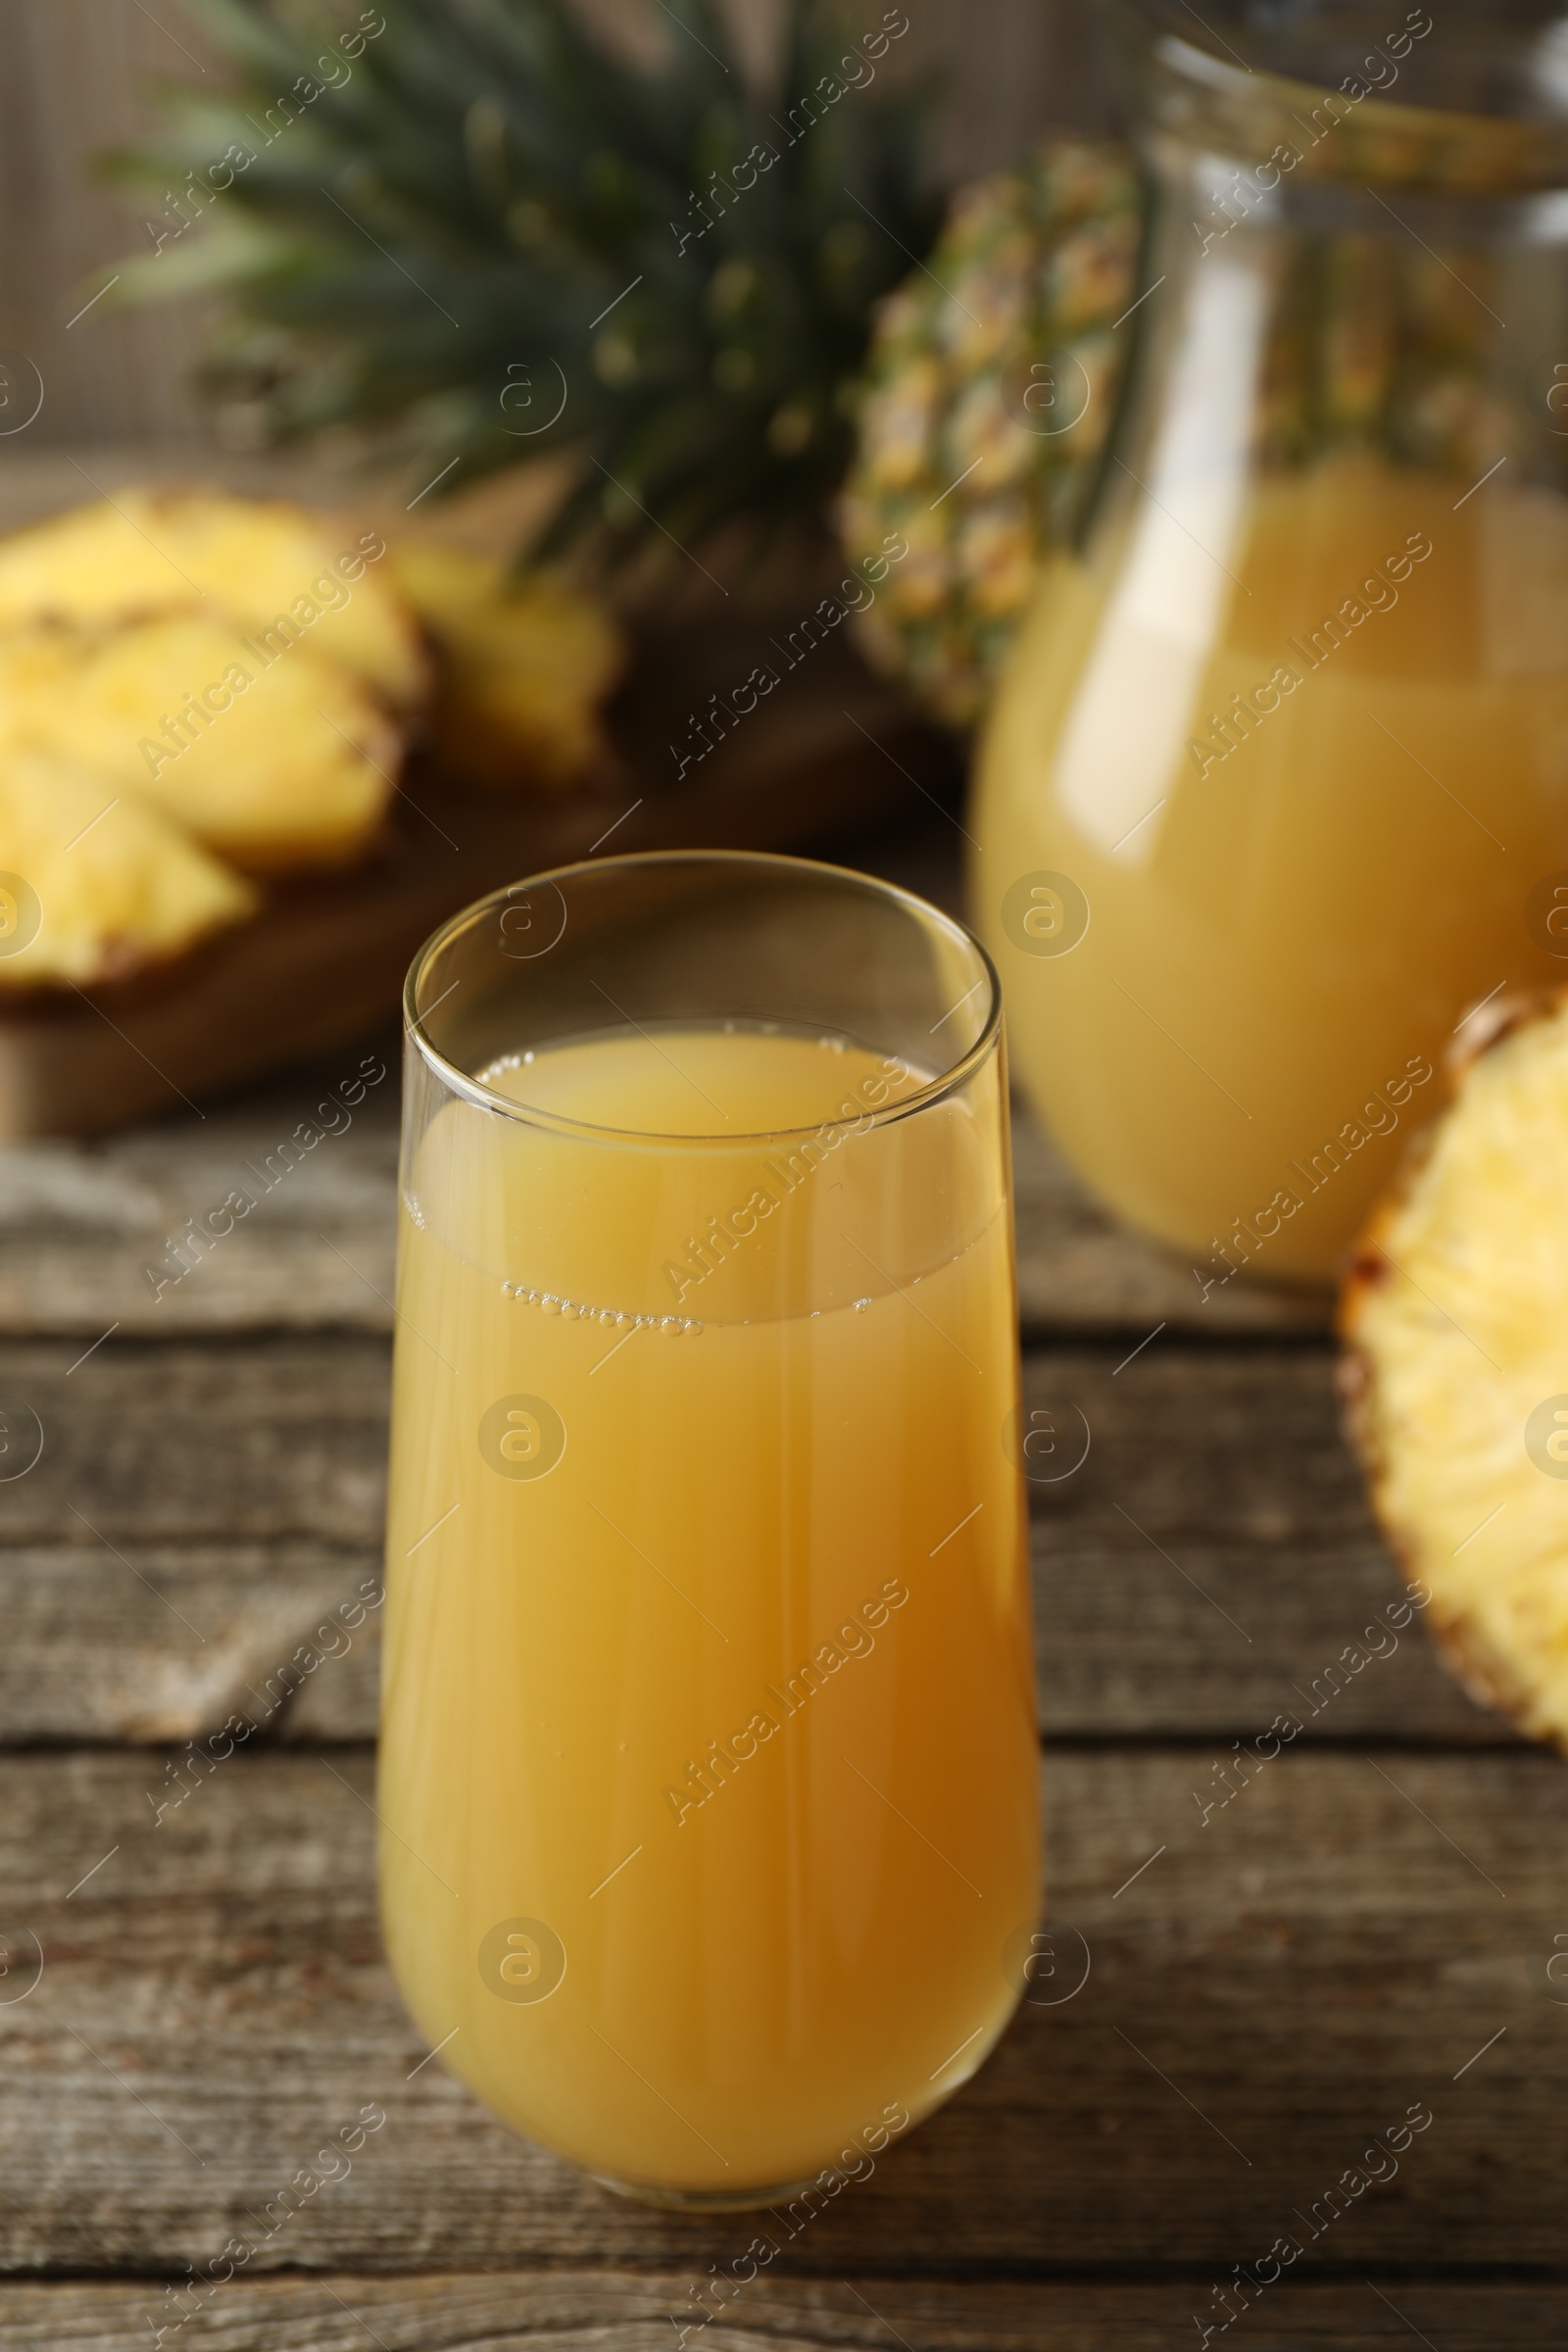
708	1771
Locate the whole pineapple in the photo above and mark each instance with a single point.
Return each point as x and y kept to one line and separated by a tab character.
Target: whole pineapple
985	406
473	232
993	379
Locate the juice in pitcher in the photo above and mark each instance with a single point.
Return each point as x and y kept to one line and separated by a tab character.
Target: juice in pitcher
1275	789
1306	812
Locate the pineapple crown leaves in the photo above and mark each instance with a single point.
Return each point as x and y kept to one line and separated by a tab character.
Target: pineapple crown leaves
472	229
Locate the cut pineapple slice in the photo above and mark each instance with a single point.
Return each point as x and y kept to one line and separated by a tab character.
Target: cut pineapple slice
279	762
1456	1318
522	669
95	885
264	566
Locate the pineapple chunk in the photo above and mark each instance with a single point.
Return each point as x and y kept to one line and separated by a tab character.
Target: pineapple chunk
244	560
94	883
279	763
522	668
1457	1319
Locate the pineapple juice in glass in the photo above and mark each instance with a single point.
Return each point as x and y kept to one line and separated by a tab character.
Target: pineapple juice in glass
708	1772
1276	787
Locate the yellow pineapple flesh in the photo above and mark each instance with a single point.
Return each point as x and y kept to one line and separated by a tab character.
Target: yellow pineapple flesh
248	561
522	668
190	681
279	762
1457	1323
95	884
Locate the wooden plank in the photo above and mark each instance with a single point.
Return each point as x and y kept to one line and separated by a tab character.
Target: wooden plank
285	1437
103	1647
1345	1943
1139	1644
1080	1270
610	2311
280	1439
1217	1446
164	1644
199	1510
79	1222
1211	1560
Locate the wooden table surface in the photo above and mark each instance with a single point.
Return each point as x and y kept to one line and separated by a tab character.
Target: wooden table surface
1364	1930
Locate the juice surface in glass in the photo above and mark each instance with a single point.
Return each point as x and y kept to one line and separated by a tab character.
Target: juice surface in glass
1306	776
710	1757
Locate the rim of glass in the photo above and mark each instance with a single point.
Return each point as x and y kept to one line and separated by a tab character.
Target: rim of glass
526	1114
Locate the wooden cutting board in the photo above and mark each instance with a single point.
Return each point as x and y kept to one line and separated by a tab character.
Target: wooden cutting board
830	753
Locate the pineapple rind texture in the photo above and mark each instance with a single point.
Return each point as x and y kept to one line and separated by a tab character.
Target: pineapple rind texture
986	401
1457	1316
250	561
119	886
993	374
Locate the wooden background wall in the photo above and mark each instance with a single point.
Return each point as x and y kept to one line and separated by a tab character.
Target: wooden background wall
77	76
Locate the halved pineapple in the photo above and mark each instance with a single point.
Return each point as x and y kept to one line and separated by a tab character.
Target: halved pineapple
280	764
252	561
94	883
523	668
1457	1319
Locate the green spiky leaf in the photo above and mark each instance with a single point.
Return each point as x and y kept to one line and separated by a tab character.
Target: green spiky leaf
444	231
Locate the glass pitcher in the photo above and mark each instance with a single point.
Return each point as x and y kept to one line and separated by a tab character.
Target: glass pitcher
1276	787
